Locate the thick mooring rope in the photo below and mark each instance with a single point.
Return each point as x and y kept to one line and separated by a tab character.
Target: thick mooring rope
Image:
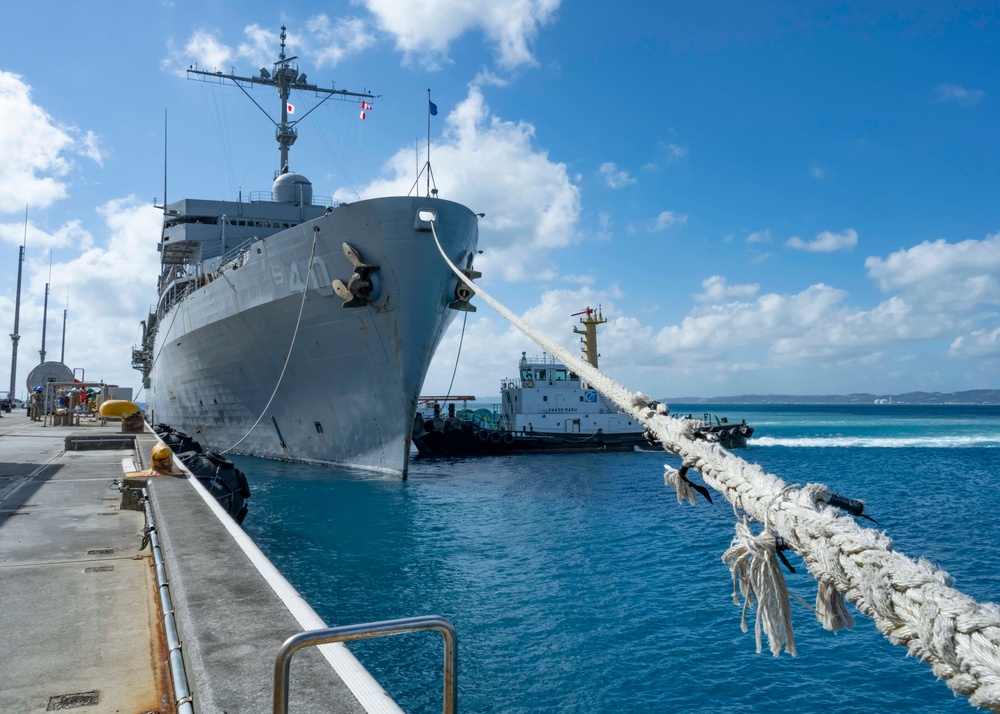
911	602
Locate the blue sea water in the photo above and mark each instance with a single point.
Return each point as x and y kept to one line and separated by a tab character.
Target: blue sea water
577	583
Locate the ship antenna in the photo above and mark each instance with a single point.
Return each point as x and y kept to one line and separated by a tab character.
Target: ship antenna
284	77
431	109
164	159
428	141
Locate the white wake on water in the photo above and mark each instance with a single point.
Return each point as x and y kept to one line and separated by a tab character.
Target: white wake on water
874	442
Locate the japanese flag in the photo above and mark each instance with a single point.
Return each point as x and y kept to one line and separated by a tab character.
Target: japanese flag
291	108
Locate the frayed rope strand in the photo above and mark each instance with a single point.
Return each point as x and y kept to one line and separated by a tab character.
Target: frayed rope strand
757	576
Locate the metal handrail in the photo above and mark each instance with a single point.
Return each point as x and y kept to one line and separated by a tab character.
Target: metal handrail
347	633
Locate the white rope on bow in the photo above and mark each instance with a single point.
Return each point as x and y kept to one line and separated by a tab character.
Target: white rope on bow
912	602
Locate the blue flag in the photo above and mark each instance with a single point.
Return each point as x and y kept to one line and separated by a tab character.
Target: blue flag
433	108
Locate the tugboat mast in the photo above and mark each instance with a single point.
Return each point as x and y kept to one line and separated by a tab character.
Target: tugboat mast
590	322
284	77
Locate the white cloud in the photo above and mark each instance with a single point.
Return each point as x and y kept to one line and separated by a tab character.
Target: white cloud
942	275
327	42
486	77
715	290
423	31
849	333
826	242
69	235
615	177
339	38
260	48
672	154
206	50
817	172
978	343
90	146
666	219
493	165
947	92
425	28
605	229
34	169
675	152
763	236
718	329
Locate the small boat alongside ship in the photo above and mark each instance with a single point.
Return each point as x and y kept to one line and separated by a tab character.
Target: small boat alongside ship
547	409
297	328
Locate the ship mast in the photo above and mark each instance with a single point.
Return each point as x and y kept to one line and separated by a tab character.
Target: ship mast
284	77
590	322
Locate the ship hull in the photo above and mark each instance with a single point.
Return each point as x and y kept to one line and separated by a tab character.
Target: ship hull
486	442
348	392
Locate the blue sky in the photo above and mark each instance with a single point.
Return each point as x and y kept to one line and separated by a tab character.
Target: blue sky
761	197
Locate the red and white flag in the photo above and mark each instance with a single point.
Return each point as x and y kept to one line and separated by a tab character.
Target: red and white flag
365	105
363	115
291	108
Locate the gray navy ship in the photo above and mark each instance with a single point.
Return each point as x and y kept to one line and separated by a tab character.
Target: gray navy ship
299	329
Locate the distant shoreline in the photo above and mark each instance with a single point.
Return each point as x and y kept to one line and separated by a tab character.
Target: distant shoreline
975	397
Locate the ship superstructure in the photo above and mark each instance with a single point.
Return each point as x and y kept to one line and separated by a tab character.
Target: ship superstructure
296	328
549	398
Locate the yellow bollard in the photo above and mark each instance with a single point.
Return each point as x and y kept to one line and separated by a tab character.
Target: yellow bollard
161	460
118	408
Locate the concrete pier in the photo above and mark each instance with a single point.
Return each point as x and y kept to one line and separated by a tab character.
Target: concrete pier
80	622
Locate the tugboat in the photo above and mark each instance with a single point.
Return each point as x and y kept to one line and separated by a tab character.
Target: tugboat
547	408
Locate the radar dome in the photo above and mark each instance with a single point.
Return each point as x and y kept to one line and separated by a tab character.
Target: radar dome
292	188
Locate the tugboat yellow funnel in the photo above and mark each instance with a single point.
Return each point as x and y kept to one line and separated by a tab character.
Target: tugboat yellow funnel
118	408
